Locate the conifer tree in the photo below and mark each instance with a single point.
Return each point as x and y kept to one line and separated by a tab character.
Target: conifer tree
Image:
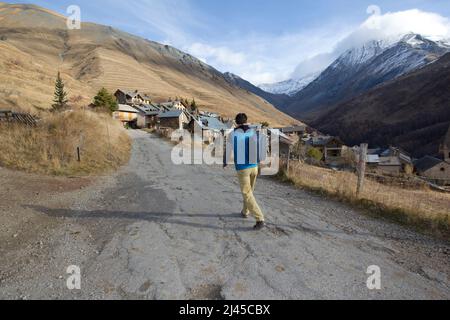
60	96
193	105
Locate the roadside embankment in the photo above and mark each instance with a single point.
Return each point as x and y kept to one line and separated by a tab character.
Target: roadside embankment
51	147
422	208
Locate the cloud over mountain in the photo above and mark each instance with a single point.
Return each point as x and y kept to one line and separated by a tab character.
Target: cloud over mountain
388	27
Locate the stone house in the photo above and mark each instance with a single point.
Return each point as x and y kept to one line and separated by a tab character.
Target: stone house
130	97
433	169
127	115
174	119
332	148
174	105
395	160
147	115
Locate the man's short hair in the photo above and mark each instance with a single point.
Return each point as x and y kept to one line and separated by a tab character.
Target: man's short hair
241	119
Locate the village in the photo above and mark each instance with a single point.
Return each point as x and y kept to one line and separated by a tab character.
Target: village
136	110
298	142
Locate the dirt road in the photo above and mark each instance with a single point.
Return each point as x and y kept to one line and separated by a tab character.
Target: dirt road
159	231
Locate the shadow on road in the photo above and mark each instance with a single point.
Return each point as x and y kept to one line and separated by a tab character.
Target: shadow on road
174	218
180	219
157	217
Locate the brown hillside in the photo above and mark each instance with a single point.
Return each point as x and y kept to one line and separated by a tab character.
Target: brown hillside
35	44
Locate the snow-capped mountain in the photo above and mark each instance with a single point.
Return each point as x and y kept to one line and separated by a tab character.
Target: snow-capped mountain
411	112
289	87
362	68
360	55
277	100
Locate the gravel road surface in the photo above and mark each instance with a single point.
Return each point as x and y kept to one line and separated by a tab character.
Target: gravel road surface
154	230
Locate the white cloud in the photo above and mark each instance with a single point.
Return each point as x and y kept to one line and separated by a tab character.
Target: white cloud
217	55
264	58
171	20
379	26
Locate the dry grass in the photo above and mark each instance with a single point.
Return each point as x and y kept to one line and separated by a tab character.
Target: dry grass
423	208
51	147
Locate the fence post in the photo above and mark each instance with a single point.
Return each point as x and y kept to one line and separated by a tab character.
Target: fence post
224	148
289	161
362	167
78	154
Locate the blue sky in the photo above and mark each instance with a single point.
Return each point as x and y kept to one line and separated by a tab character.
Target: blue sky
260	40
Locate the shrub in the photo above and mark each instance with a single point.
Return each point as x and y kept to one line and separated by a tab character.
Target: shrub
105	100
315	154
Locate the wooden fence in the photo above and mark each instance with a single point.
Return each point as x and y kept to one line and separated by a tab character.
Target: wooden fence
7	116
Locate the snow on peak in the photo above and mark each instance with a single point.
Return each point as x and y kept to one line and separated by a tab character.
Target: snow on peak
413	39
360	55
289	87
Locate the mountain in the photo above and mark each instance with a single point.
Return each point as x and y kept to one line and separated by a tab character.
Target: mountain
361	69
412	112
35	43
289	87
275	99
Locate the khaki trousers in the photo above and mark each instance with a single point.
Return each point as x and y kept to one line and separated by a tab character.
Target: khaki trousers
247	180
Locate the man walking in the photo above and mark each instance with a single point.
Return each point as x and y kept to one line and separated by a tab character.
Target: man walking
244	143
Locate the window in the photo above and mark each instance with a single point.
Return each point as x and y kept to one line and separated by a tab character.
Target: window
442	169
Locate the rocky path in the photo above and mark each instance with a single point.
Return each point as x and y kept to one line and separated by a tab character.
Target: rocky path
159	231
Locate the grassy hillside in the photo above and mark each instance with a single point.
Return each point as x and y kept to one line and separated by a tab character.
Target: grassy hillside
35	44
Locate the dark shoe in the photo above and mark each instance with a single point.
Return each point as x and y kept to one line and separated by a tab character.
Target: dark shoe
259	225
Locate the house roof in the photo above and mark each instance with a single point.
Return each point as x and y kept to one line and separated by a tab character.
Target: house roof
229	124
373	158
395	151
323	140
166	106
213	123
376	151
148	108
126	108
130	93
426	163
284	139
171	103
171	114
293	129
146	111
